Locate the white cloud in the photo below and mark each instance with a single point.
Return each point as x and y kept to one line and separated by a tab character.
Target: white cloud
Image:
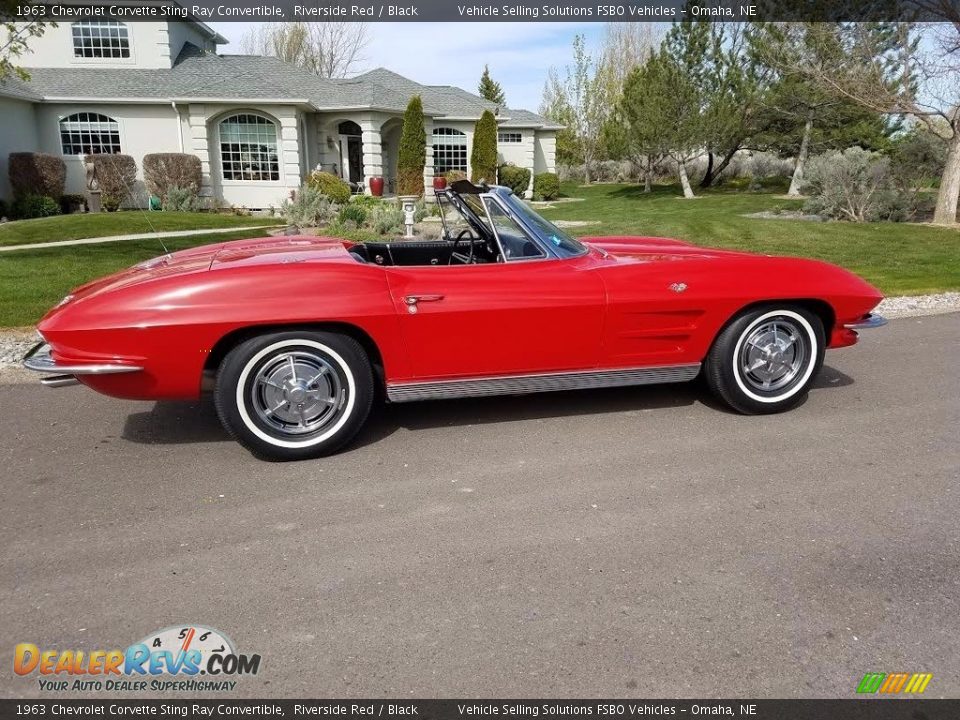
519	54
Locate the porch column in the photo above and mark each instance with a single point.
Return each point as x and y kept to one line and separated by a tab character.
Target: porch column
290	166
198	144
372	150
428	166
529	159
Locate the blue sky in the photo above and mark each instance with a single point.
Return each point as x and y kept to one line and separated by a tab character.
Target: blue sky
518	54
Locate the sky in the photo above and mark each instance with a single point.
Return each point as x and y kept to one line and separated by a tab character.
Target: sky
519	54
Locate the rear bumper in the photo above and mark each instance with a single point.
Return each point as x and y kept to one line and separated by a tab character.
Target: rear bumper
867	322
39	359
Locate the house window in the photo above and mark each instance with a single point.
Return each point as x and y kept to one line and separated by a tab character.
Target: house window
509	137
100	39
89	134
248	148
449	150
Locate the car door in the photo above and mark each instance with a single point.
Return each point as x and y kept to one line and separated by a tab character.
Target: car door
516	317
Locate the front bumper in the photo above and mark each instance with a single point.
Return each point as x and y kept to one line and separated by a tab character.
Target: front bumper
867	322
40	360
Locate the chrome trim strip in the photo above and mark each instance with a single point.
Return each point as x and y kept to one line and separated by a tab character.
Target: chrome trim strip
56	381
39	359
541	382
867	322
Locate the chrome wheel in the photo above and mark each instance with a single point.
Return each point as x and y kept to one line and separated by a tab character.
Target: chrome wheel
297	392
772	355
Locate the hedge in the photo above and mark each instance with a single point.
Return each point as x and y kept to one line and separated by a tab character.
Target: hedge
335	189
546	186
116	175
164	171
37	174
515	178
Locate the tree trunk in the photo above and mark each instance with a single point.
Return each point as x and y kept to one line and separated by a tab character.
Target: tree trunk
685	181
797	179
709	175
646	182
946	211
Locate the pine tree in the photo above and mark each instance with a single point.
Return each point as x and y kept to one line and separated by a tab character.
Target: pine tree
490	89
413	151
483	157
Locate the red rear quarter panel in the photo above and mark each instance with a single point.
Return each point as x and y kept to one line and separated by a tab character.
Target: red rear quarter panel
169	324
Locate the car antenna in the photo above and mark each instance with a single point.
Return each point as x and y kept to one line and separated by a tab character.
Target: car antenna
146	216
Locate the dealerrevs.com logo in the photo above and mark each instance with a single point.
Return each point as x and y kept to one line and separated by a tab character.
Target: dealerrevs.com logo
189	658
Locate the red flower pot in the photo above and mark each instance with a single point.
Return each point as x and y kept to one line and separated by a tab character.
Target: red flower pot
439	182
376	186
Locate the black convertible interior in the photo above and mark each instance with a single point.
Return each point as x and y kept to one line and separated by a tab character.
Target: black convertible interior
473	234
426	252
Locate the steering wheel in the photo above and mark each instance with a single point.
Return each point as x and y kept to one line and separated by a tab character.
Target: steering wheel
465	259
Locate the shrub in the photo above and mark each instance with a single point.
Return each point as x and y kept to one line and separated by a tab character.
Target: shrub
335	189
116	175
546	186
353	212
71	203
163	172
37	174
308	207
453	176
365	201
483	156
30	206
515	178
386	218
917	159
413	151
854	185
181	200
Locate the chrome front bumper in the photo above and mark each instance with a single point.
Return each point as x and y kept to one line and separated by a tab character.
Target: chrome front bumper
40	360
867	322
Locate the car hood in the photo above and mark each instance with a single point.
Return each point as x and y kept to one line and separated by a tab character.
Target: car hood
650	249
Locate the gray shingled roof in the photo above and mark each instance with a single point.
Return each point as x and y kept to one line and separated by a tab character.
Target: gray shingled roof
203	75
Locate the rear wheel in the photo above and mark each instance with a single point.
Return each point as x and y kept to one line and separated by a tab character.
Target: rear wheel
765	360
296	394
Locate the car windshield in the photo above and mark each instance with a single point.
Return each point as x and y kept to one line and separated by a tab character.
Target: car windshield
563	244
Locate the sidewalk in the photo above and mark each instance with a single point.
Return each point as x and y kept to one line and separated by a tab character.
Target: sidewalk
137	236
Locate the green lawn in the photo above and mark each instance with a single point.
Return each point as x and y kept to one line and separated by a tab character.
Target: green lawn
32	281
127	222
899	258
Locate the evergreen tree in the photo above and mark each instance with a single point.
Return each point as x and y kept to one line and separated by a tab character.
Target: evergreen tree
490	89
413	152
483	157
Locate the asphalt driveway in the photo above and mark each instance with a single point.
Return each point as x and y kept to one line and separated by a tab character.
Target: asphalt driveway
636	542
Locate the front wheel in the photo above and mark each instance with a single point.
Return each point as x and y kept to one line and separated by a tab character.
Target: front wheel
294	395
765	360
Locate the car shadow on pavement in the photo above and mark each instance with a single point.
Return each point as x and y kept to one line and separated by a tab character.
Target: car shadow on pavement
175	423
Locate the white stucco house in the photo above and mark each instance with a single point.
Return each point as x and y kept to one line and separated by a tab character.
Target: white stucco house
258	125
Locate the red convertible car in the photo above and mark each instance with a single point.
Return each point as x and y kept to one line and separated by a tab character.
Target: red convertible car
297	336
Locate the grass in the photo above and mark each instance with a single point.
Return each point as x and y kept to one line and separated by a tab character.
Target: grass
126	222
899	258
33	281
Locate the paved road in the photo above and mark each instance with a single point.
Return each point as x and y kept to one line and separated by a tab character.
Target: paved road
625	543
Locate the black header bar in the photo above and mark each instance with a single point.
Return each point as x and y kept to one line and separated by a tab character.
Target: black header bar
490	11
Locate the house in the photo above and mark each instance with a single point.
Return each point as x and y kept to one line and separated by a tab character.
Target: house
258	125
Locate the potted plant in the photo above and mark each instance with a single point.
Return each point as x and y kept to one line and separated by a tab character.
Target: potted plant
376	186
439	182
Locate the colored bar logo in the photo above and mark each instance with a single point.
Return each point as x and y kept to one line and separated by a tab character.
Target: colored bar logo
894	683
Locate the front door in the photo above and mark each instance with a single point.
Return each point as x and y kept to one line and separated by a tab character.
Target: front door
461	321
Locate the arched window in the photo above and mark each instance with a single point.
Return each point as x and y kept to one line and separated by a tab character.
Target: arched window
248	148
449	150
100	39
88	133
348	127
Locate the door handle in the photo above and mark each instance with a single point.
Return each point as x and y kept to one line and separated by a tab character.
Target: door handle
411	301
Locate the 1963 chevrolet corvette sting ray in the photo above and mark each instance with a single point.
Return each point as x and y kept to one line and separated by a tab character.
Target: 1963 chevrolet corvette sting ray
296	336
